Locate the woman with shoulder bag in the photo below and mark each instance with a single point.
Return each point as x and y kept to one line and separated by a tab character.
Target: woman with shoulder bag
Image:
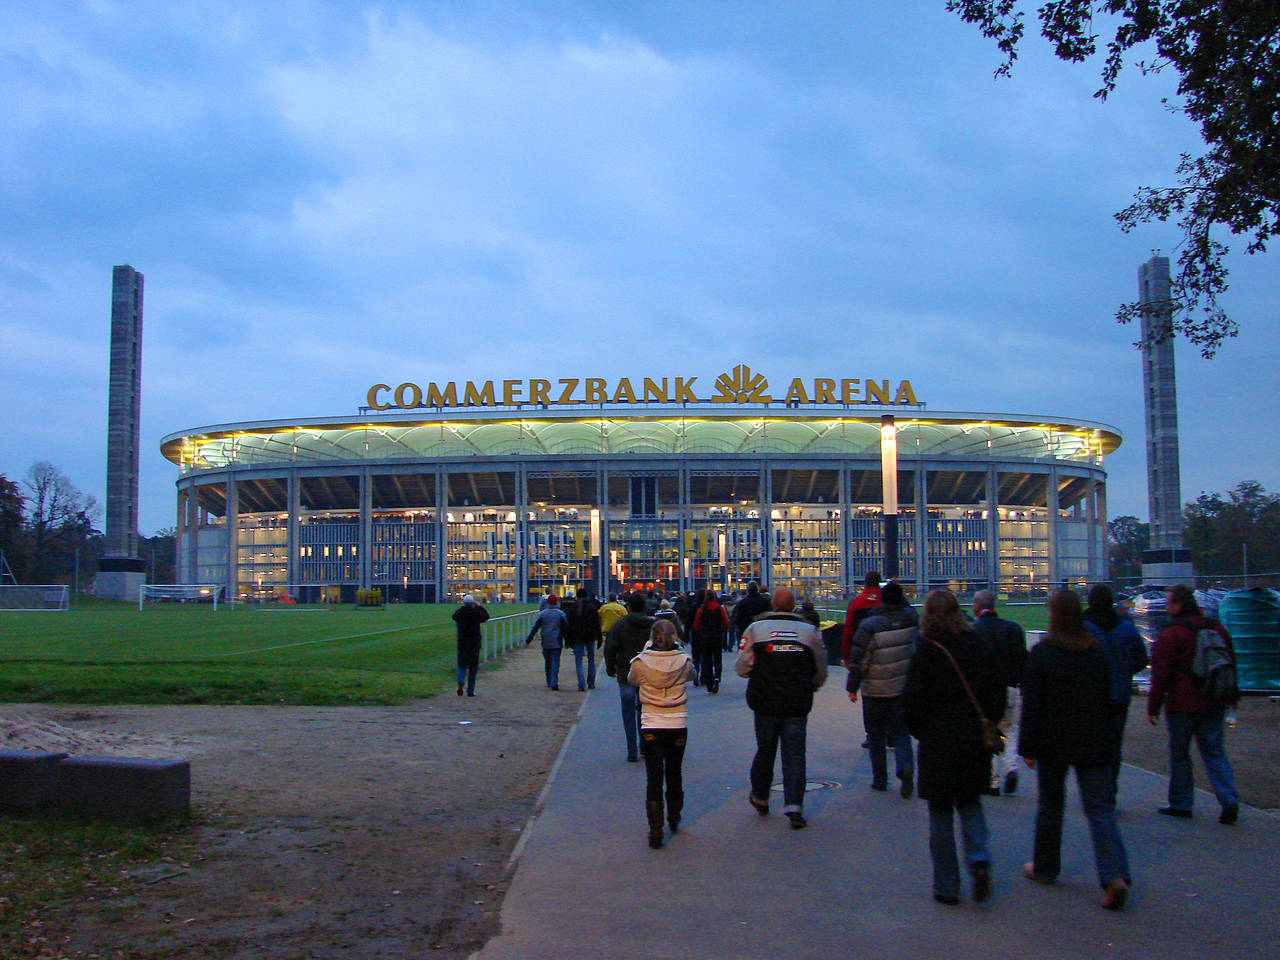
1067	722
953	687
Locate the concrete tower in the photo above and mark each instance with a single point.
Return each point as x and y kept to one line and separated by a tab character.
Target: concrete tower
1166	560
121	571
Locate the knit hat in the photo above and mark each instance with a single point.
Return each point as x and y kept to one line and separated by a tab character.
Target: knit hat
468	599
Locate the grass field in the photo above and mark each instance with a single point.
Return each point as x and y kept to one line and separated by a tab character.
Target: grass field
170	653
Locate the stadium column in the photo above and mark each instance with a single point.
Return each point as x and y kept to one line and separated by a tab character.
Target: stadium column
1051	506
846	531
1091	525
682	512
179	537
293	504
766	538
920	529
232	524
366	528
442	506
1099	532
606	542
521	566
993	527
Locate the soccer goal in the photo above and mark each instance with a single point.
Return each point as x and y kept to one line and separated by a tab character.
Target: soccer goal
34	596
288	597
153	593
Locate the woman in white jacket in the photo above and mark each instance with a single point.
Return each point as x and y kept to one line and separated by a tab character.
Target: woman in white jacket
660	672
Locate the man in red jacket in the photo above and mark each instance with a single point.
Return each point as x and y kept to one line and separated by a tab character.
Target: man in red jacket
859	607
1188	712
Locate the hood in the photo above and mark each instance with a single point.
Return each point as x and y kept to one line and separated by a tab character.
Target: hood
662	667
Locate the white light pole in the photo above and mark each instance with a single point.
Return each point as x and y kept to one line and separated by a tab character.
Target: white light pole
889	483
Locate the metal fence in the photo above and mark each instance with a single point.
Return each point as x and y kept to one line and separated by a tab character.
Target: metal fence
506	633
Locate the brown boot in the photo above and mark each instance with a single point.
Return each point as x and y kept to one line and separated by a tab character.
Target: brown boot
673	817
653	808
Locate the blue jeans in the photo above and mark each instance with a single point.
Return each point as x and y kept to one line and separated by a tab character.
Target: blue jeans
1206	727
630	697
587	650
886	725
468	664
1097	795
942	842
790	731
551	659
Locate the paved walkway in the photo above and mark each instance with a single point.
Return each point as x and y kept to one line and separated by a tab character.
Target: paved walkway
856	883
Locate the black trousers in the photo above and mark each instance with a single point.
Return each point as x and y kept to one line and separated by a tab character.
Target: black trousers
663	757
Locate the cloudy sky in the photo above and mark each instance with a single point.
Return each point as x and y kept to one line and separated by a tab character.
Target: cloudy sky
324	196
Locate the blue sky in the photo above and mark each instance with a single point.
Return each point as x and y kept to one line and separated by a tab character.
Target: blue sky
323	196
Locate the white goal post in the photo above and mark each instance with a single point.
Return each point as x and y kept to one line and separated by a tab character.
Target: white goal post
31	597
178	593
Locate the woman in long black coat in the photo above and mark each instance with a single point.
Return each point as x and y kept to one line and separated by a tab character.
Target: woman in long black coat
953	762
1067	721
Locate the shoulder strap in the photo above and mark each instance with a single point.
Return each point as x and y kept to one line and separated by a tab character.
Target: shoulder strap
960	674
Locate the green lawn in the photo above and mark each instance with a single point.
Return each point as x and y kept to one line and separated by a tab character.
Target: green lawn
171	653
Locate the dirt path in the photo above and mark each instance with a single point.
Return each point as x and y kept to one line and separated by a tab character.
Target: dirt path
364	832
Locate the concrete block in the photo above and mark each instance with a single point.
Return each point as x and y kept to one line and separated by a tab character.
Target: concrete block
28	779
123	788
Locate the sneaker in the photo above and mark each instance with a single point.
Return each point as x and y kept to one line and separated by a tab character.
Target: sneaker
760	806
471	694
948	900
798	822
1114	895
1230	814
908	784
459	691
1176	812
1029	871
880	787
1011	782
981	881
632	758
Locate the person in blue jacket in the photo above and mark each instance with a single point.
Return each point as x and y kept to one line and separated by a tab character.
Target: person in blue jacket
1126	655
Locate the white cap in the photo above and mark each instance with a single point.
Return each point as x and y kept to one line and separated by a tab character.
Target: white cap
468	599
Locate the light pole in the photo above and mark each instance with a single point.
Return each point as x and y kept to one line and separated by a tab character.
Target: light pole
889	483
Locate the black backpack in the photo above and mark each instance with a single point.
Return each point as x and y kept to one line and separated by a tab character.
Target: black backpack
1212	670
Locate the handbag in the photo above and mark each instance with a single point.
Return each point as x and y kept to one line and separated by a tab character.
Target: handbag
992	735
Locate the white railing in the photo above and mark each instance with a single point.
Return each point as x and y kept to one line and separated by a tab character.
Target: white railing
505	633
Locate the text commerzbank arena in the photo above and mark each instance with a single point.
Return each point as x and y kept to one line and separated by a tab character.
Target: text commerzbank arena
507	488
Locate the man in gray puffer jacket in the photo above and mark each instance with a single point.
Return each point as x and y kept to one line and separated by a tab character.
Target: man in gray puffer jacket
878	661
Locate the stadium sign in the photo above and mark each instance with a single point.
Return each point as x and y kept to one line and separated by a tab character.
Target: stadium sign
740	386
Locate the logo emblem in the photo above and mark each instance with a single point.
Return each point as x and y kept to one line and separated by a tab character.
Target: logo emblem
741	387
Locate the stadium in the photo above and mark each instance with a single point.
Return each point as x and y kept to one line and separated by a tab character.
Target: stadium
505	489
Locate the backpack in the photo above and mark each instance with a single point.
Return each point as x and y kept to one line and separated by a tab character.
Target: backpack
1212	670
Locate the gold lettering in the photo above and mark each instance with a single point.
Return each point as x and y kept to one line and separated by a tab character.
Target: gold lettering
447	398
824	391
569	387
624	392
413	390
796	392
538	391
594	388
511	391
653	392
372	398
849	391
877	392
905	393
684	391
478	398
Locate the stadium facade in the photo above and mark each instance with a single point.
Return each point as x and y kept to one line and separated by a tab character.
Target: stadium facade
504	489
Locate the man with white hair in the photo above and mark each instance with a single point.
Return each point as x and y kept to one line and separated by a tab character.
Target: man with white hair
784	660
468	617
1008	647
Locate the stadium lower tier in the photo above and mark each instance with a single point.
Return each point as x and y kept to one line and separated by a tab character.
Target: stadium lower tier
509	532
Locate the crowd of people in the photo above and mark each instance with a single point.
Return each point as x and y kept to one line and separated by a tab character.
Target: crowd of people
956	697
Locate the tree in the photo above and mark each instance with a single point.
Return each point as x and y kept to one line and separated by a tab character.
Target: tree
1226	533
1227	56
11	502
1127	537
59	518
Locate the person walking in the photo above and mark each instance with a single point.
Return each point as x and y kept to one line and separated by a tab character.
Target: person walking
1008	644
1189	712
552	624
754	604
784	662
468	618
660	673
710	624
861	605
625	641
1126	655
610	613
953	689
880	655
1066	723
584	637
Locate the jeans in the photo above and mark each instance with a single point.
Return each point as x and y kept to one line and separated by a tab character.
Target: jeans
663	755
1011	723
1115	727
886	725
1206	727
1096	787
468	664
791	732
942	842
712	655
587	651
551	659
630	697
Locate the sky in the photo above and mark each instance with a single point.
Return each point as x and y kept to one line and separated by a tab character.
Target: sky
328	195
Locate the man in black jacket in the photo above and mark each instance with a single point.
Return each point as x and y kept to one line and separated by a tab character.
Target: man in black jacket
784	660
468	617
626	639
1008	645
